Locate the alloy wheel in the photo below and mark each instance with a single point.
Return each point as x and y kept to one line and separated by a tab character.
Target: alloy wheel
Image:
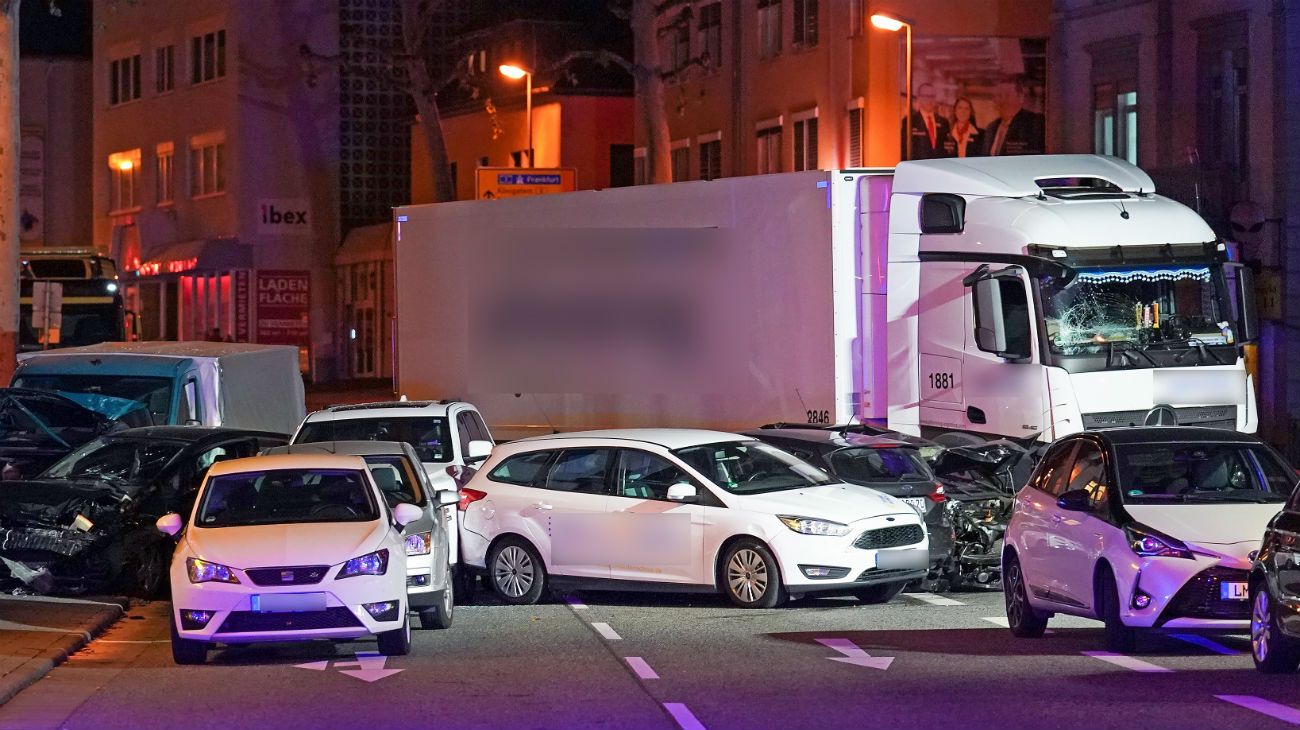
513	571
747	575
1261	632
1015	595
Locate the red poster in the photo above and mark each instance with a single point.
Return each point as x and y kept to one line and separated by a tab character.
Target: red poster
242	305
283	307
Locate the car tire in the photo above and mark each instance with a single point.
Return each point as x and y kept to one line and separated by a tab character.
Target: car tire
883	593
466	583
1120	639
750	577
187	651
396	642
147	574
439	616
516	572
1273	651
1023	619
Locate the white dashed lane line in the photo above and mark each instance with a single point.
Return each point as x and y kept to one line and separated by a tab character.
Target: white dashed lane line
998	621
640	667
1285	713
1205	643
604	630
574	603
934	600
1126	662
683	715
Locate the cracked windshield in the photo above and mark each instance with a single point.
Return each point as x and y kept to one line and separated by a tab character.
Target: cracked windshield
1167	306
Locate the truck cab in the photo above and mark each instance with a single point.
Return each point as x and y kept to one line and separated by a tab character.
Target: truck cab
93	309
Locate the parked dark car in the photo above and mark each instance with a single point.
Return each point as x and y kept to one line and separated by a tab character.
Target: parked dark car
39	428
888	465
87	522
1275	593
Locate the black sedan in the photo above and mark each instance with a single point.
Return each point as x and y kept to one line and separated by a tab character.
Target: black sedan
87	522
1275	593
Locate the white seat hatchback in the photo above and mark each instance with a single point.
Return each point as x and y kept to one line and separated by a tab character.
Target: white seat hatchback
284	548
694	510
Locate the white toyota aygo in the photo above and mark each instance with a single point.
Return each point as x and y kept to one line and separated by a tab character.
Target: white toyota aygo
285	548
682	510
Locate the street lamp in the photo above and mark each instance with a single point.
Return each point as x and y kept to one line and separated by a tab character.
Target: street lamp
512	71
893	25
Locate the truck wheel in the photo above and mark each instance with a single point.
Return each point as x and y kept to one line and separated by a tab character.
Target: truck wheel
187	651
1120	639
516	572
1022	619
750	577
1273	651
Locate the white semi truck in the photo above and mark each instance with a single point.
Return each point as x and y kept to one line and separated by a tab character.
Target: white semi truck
955	299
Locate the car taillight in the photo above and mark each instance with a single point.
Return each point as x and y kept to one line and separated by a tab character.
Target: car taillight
937	495
468	496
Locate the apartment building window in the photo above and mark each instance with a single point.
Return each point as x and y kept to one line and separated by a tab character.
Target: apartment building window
855	136
769	149
208	57
804	31
207	166
680	158
805	143
711	34
124	80
164	173
124	180
640	174
711	157
1115	121
1223	101
769	28
164	69
680	49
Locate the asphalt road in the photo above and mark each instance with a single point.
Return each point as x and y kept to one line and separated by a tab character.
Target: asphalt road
659	661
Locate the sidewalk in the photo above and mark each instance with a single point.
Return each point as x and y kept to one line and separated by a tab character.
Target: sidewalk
39	632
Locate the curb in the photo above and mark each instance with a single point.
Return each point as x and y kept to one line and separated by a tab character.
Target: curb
70	643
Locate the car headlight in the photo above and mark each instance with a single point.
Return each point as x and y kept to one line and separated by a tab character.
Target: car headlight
375	563
419	543
1147	543
201	571
811	526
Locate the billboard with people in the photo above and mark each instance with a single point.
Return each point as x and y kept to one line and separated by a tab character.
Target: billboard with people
975	97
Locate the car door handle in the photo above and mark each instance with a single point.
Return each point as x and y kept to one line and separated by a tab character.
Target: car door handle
543	506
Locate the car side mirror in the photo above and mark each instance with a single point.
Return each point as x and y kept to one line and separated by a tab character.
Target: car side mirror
170	524
682	492
1075	500
478	451
404	514
447	497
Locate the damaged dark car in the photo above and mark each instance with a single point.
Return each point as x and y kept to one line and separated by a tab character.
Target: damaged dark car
39	428
87	522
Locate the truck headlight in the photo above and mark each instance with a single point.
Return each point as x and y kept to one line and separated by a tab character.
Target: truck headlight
813	526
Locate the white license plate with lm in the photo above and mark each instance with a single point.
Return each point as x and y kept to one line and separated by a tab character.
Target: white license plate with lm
1234	591
917	503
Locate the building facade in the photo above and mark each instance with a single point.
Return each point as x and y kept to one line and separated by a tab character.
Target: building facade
761	86
1203	94
55	167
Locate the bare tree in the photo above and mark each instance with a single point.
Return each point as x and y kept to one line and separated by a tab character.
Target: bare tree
9	208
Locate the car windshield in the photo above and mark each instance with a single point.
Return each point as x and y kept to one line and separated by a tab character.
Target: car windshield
751	467
428	435
155	394
396	480
875	465
116	460
1183	473
287	496
1170	304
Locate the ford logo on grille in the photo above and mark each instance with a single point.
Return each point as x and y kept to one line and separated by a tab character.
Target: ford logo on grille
286	576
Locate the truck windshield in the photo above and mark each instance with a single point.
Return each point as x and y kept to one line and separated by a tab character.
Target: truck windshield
1174	305
155	394
1196	473
751	467
427	434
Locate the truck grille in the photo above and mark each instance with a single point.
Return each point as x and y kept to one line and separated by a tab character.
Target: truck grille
239	622
1199	597
1207	416
888	537
292	575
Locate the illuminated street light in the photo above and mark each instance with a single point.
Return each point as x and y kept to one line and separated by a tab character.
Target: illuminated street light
893	25
512	71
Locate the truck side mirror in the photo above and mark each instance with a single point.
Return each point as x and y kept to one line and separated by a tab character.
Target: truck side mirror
1002	321
1241	284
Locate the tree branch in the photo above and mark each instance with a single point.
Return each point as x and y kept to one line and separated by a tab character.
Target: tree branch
602	57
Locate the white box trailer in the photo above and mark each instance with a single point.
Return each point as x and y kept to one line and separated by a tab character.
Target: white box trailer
956	298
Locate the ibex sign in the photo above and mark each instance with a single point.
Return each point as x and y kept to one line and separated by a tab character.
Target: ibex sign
283	216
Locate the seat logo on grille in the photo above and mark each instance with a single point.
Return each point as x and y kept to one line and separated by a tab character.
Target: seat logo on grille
286	576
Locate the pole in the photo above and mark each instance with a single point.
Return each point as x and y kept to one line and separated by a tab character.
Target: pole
907	146
529	104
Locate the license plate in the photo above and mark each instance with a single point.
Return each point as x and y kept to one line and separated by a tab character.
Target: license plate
1233	591
287	602
917	504
902	559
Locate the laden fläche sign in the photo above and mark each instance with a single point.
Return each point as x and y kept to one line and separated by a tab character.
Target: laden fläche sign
283	307
515	182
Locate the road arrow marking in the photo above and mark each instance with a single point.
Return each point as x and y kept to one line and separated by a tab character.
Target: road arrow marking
317	666
371	667
855	655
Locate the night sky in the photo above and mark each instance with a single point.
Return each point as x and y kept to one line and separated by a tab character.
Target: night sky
42	33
